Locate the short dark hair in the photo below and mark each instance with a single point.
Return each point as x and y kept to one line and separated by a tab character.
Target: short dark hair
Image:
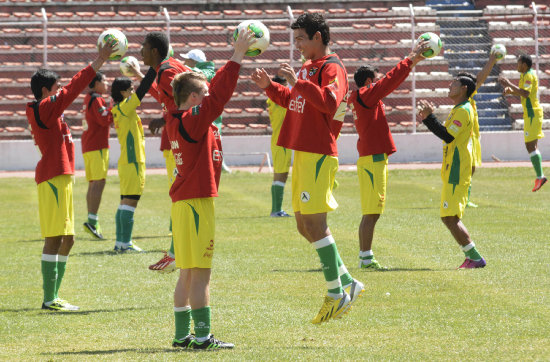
158	40
363	73
279	80
469	80
43	78
120	84
98	78
526	59
313	23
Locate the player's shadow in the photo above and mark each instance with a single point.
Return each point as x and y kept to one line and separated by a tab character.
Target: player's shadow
78	312
122	350
296	270
112	252
30	241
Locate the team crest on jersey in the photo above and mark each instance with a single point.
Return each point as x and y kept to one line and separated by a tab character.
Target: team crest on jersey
457	122
195	110
312	71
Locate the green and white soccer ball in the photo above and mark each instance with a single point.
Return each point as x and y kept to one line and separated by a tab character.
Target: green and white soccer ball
499	50
125	65
121	46
434	44
170	51
261	33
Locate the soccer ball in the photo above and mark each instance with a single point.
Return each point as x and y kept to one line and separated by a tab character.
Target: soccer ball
121	45
434	44
260	32
499	50
170	51
125	65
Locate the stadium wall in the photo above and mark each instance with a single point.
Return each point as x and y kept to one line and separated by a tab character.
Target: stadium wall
20	155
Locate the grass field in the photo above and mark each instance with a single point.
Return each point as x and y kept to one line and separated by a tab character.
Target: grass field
267	284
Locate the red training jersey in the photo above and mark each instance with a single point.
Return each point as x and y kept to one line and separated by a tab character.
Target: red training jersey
369	111
161	90
97	121
316	106
195	141
51	134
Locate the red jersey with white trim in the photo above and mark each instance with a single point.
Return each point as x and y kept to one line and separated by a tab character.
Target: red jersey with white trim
51	134
369	112
97	122
195	141
161	90
316	106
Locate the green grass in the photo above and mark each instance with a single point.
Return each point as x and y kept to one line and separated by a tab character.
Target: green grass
266	284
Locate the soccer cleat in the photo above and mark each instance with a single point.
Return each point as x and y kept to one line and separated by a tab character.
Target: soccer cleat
92	230
281	213
166	264
471	204
61	307
539	182
131	248
211	344
354	290
473	264
184	343
373	265
332	308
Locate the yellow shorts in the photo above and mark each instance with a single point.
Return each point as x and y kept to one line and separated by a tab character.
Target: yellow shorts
373	176
476	151
132	178
193	229
282	158
532	127
171	169
453	200
312	181
55	206
96	164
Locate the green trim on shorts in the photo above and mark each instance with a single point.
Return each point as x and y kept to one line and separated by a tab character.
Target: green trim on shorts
196	216
54	189
379	157
319	165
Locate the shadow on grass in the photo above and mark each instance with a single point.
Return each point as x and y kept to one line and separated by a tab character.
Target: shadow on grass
112	252
122	350
30	241
78	312
296	270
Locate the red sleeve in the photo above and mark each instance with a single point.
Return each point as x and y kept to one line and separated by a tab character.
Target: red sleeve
101	113
54	106
279	94
393	79
327	97
221	89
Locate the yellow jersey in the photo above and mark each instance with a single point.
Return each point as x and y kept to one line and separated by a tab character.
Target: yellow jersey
129	130
457	155
475	129
528	81
276	118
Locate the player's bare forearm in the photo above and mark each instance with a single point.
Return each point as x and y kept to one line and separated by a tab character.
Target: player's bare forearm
485	71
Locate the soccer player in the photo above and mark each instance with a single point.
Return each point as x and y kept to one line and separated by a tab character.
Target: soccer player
196	60
532	112
154	52
476	136
456	168
316	107
131	164
282	157
95	148
375	144
197	150
55	170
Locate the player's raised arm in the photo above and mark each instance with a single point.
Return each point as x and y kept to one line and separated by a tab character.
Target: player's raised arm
104	52
486	70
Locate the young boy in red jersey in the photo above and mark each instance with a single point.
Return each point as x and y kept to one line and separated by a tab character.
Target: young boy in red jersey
95	148
154	52
375	144
316	108
55	170
196	146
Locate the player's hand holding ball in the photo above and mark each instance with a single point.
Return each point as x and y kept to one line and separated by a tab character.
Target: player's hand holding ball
425	108
244	40
420	47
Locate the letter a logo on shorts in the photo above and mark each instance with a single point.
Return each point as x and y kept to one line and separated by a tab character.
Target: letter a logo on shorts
445	204
304	196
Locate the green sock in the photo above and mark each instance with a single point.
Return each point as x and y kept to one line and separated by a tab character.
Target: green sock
118	226
536	160
201	317
126	223
471	252
469	190
277	193
328	255
171	252
49	276
345	276
92	219
170	225
182	316
61	266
